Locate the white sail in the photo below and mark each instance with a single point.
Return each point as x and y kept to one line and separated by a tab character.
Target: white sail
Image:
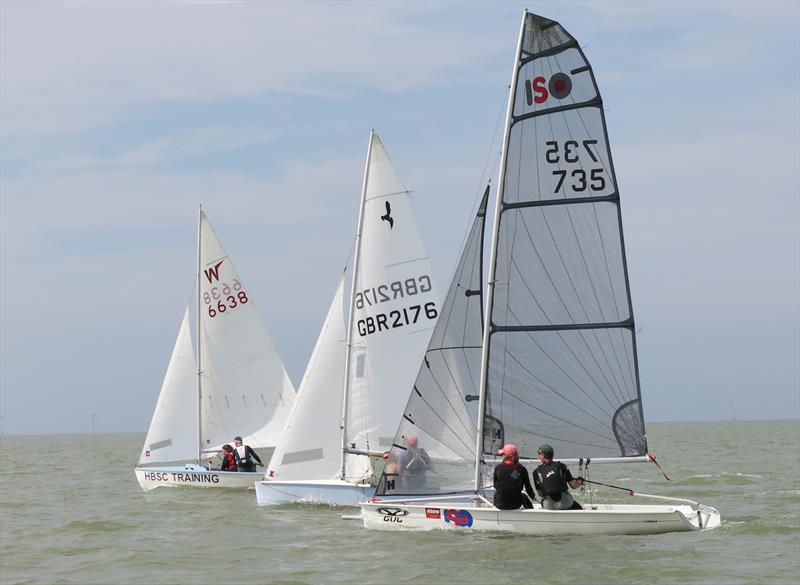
310	447
244	388
172	435
394	311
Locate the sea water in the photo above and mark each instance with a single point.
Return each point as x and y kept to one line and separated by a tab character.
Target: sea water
72	512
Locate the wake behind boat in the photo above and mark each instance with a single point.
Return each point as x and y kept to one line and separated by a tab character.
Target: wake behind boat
557	357
238	386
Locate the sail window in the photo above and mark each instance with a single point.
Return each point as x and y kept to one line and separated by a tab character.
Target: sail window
360	363
301	456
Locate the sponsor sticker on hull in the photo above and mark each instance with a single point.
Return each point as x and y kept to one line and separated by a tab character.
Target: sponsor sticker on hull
433	513
392	514
458	517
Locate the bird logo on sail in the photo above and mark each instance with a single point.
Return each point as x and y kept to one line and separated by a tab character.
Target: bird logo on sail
212	274
388	217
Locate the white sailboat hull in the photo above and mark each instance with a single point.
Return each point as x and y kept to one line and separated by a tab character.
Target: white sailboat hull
332	492
599	519
153	477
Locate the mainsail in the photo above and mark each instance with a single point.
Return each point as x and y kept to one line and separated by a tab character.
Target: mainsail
557	360
394	309
172	435
244	388
562	365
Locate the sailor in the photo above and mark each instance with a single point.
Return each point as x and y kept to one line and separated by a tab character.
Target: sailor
228	460
414	464
244	456
552	479
510	477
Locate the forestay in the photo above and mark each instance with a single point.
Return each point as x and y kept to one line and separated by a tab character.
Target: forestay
442	409
244	388
310	445
172	435
562	366
394	309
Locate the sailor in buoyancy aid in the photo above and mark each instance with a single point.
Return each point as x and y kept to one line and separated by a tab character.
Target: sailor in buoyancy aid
244	456
552	480
414	464
509	479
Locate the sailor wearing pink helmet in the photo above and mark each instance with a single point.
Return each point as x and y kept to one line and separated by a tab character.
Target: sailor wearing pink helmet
509	478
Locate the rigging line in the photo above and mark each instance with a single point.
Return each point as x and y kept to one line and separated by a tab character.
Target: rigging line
617	388
551	416
547	273
505	319
569	377
615	297
468	259
546	386
582	365
569	277
597	300
536	152
474	278
469	425
483	175
446	396
436	412
602	243
557	291
457	277
554	438
605	163
563	262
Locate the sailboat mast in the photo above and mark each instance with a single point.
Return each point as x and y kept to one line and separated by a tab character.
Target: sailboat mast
356	259
199	337
487	321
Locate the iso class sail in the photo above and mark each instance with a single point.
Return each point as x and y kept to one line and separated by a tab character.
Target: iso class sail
172	435
561	364
442	409
393	311
244	387
310	447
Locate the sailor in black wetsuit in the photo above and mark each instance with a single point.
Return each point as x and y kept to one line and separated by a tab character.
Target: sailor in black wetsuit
552	478
510	477
245	455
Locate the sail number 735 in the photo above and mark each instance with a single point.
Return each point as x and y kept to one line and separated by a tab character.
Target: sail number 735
570	152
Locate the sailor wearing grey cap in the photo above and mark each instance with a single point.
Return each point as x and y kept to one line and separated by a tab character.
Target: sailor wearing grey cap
551	480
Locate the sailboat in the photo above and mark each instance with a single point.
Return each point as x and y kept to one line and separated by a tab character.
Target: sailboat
238	386
555	355
357	381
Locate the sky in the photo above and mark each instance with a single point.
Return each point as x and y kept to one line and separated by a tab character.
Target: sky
118	118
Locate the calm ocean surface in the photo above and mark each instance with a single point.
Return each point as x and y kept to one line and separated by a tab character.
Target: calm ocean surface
72	512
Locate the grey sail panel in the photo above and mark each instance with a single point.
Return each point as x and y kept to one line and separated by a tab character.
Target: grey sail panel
442	410
562	355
